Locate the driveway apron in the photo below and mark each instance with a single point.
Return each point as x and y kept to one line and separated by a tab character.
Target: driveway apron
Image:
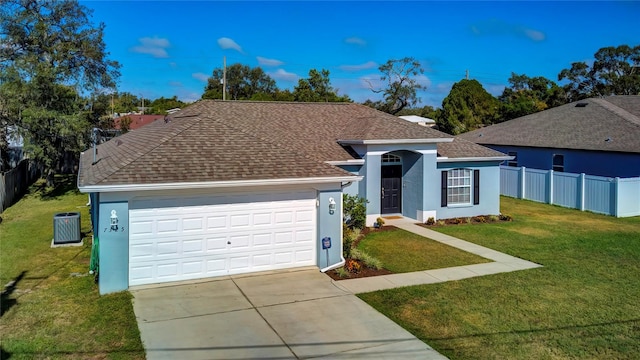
298	314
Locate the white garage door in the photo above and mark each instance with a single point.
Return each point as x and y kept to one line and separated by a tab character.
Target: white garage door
184	238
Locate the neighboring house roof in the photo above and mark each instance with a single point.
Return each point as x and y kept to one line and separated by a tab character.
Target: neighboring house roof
137	121
418	119
601	124
211	141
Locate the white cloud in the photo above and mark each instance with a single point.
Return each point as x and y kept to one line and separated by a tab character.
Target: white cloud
283	75
365	66
534	35
226	43
154	46
499	27
355	41
269	62
200	76
423	80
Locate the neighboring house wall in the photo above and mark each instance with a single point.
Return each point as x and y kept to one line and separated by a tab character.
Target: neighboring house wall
600	163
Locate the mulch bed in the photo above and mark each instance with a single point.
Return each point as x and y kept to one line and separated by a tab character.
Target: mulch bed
364	271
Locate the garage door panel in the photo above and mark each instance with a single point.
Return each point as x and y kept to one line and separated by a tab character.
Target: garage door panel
216	222
212	236
193	224
216	244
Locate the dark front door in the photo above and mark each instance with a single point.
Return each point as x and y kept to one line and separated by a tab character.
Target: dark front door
391	192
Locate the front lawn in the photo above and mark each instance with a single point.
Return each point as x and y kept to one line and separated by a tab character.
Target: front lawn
55	310
582	304
402	251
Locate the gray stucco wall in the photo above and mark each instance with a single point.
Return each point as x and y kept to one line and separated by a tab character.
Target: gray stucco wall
412	185
489	191
114	247
329	226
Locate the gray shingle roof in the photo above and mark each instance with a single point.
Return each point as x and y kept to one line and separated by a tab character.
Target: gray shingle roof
604	124
234	140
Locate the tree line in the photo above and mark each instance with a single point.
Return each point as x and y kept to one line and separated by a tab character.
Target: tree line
57	82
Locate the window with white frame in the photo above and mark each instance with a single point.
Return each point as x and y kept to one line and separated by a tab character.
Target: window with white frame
459	186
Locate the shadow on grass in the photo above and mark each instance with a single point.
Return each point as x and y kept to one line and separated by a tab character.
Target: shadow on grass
532	331
3	354
5	302
63	184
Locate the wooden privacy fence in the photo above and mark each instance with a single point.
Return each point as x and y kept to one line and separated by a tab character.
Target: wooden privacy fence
14	183
618	197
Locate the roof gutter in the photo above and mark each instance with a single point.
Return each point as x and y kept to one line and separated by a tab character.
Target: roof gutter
346	162
494	158
395	141
216	184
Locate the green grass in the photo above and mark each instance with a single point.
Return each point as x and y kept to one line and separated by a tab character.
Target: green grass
401	251
583	304
55	310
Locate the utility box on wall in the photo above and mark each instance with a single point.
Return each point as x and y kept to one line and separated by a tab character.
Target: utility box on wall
66	228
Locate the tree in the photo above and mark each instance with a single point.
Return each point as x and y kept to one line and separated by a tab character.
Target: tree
243	83
615	71
162	104
527	95
467	107
50	54
426	111
317	88
402	85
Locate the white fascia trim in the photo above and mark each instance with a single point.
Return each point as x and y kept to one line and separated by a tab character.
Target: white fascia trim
395	141
495	158
216	184
346	162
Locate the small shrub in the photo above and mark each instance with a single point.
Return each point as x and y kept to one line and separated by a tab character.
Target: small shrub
493	218
356	233
347	242
467	220
480	219
504	217
353	266
368	260
379	222
342	272
354	210
430	221
440	222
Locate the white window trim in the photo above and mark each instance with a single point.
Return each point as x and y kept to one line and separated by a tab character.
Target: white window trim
450	203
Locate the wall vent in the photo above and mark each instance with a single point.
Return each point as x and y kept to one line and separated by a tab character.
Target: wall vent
66	228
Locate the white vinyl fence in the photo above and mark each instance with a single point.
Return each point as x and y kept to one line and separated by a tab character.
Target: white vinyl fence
618	197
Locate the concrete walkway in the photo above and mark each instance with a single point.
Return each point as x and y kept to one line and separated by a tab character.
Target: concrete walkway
502	263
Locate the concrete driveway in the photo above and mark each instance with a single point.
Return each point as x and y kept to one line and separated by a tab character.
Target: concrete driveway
296	314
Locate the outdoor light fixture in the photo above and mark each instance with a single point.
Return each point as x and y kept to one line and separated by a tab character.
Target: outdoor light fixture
114	220
332	206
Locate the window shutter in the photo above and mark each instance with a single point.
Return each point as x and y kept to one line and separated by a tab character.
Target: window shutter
476	187
443	192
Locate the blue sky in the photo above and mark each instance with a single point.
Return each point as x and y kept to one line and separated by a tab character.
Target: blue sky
169	48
